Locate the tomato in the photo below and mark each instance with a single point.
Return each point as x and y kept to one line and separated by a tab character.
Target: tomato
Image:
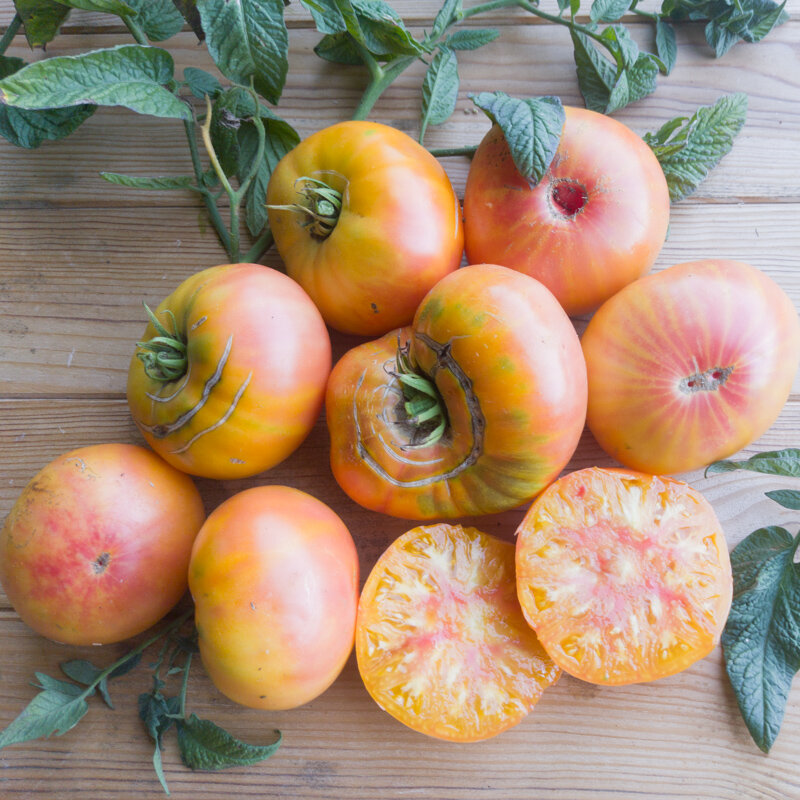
95	550
625	577
387	224
689	365
594	223
441	641
246	358
274	578
473	409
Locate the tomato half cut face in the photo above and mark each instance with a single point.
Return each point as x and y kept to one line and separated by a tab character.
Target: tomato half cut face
441	641
624	576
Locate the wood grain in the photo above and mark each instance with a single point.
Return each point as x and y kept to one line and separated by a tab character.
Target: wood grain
77	258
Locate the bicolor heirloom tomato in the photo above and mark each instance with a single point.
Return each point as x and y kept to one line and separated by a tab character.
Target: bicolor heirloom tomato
689	365
473	409
231	374
366	221
441	641
96	548
595	222
274	578
625	577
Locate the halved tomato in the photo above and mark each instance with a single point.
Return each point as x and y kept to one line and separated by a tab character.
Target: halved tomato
441	641
625	577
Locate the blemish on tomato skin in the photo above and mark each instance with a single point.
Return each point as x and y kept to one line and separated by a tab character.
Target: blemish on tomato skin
581	491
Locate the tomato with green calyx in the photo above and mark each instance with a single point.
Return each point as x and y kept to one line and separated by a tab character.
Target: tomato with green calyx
230	376
441	641
473	409
274	578
366	220
96	548
625	577
595	222
689	365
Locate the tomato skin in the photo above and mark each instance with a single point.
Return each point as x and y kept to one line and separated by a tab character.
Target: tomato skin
441	641
511	430
96	548
274	578
584	257
624	576
700	319
259	357
398	233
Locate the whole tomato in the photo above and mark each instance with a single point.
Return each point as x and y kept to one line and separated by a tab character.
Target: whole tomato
366	221
689	365
595	222
473	409
274	578
96	548
232	379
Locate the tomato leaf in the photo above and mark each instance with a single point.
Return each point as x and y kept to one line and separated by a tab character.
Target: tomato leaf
204	745
159	19
788	498
42	19
118	7
471	39
157	712
608	10
52	711
596	74
87	673
202	83
248	39
666	45
161	182
128	75
340	48
688	151
439	90
450	12
775	462
188	10
761	641
532	128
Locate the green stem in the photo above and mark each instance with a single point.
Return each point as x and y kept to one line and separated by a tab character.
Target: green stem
184	685
11	32
381	77
467	150
136	30
567	23
483	8
260	246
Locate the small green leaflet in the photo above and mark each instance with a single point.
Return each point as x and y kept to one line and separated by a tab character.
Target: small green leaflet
42	19
596	74
788	498
761	640
204	745
118	7
439	90
688	149
87	673
608	10
532	128
162	182
128	75
188	10
471	39
776	462
340	48
159	19
52	711
248	39
450	12
201	83
157	713
666	45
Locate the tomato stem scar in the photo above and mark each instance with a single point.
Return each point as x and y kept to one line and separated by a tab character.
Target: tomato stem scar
320	203
708	381
164	356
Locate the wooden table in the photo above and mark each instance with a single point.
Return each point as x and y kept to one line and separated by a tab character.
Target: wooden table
77	258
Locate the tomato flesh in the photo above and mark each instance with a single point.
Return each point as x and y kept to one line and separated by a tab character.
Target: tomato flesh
625	577
441	641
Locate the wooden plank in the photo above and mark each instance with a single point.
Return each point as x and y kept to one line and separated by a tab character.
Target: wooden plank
763	165
74	280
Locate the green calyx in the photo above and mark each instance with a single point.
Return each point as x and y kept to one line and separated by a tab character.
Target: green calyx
320	206
164	356
422	403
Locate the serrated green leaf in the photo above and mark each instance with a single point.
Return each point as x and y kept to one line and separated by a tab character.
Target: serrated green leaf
788	498
204	745
471	39
80	670
450	12
339	48
596	74
761	640
159	19
666	45
44	681
50	712
705	138
563	5
608	10
128	75
202	83
248	39
623	48
532	129
574	7
161	182
225	124
118	7
188	10
41	19
439	90
766	17
157	712
776	462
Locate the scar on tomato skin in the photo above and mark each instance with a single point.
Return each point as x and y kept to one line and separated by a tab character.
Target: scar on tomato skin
199	322
100	564
238	461
709	380
374	307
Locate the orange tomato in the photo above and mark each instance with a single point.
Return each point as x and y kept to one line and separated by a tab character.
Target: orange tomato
274	578
689	365
256	359
95	550
625	577
397	232
441	641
